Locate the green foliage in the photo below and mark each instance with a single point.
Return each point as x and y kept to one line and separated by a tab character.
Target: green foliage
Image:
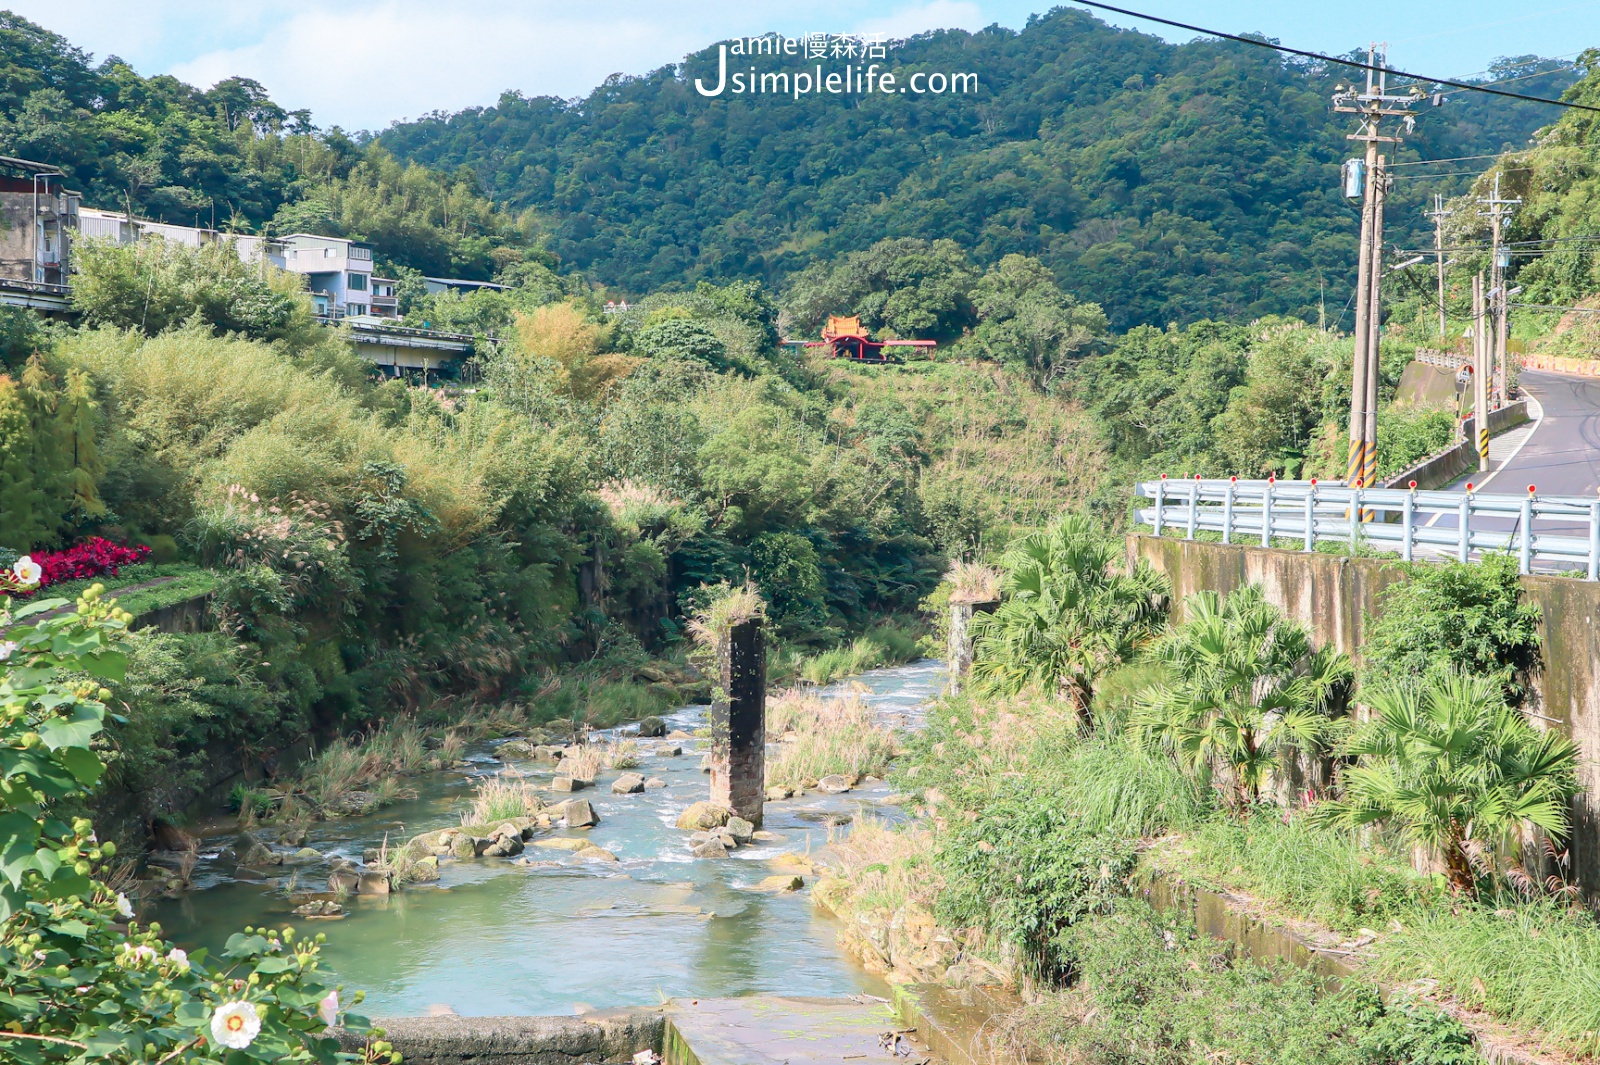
1448	765
81	981
155	285
1025	320
1167	182
904	287
1247	691
48	458
22	335
1067	617
1407	435
1448	616
1156	993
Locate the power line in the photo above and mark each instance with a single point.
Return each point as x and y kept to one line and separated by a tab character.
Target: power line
1468	86
1460	158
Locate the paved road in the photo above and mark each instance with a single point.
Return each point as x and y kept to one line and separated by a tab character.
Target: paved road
1562	456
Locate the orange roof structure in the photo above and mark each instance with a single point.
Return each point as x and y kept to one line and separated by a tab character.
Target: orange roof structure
839	326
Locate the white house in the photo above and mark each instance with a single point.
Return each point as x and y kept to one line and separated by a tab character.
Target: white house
338	272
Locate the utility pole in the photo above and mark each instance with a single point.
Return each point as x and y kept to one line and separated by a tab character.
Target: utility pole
1372	106
1439	214
1499	209
1480	373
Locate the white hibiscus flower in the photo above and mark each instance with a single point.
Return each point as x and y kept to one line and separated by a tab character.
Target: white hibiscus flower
124	907
328	1008
179	958
235	1025
26	571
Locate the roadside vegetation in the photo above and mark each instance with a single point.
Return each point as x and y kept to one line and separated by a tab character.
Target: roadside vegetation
1220	752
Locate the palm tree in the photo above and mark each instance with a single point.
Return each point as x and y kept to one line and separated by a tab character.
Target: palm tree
1248	690
1067	614
1446	762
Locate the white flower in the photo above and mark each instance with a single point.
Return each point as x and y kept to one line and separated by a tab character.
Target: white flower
179	958
235	1025
124	907
133	956
328	1008
27	571
7	649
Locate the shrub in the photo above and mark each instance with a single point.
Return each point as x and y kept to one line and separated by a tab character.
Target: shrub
501	798
825	737
94	557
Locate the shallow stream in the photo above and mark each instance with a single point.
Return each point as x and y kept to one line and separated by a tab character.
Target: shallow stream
496	938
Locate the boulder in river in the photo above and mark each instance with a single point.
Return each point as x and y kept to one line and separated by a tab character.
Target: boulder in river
463	846
628	784
579	814
374	882
704	816
679	734
740	829
778	792
781	883
668	750
655	782
303	856
594	854
652	727
568	784
343	881
711	848
563	843
833	784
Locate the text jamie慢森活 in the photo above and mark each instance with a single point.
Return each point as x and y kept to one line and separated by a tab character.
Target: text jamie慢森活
857	76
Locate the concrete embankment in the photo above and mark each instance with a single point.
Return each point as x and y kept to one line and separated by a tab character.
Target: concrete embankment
1336	597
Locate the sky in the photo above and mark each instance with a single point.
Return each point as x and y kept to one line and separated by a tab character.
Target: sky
371	63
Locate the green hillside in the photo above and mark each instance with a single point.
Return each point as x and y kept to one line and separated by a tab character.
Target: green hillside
1167	183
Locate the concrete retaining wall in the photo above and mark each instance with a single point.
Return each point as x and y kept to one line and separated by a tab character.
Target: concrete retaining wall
1443	468
1336	597
610	1036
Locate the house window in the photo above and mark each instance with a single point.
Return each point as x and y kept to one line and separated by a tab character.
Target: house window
358	282
356	308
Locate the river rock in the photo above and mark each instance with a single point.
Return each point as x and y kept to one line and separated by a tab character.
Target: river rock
704	816
463	846
794	860
580	814
652	727
705	763
763	836
628	784
563	843
595	854
425	870
726	838
320	908
374	882
833	784
249	850
777	793
668	750
515	749
781	883
568	784
303	856
655	782
711	848
679	734
740	829
343	881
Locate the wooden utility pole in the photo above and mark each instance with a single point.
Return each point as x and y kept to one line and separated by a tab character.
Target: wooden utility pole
1499	209
1372	106
1439	214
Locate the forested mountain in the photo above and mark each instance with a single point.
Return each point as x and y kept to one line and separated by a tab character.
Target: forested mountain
1168	183
230	158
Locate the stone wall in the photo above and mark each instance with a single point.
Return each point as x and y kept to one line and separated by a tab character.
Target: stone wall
592	1039
1337	596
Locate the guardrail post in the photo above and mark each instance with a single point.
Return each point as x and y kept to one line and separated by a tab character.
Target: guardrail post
1266	514
1194	504
1227	512
1406	513
1463	518
1160	486
1355	516
1594	540
1311	516
1525	564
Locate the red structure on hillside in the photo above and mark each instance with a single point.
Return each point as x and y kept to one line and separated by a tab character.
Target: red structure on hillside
847	338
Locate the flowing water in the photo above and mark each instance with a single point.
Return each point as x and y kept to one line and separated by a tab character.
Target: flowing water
497	938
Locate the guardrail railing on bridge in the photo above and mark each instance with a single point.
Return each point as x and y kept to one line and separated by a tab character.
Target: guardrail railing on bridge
1558	531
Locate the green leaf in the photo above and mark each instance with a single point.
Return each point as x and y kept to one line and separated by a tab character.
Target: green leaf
272	964
82	763
76	730
107	665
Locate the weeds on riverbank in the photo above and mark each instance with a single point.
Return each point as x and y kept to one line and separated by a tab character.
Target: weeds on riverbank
501	798
878	647
580	763
820	737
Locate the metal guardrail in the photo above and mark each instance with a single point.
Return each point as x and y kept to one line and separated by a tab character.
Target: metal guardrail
1559	531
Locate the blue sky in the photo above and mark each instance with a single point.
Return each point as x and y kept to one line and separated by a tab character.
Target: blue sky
366	64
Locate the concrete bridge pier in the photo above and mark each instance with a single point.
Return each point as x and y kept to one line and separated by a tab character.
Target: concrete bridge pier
739	721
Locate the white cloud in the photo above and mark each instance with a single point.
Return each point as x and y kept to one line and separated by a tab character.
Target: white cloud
365	67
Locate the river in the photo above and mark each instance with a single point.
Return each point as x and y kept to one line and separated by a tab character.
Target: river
496	938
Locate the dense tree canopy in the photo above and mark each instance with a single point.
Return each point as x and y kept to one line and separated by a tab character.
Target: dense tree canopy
1170	183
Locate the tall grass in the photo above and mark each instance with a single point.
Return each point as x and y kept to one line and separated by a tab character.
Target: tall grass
1534	964
347	766
580	763
1318	871
1118	787
883	645
825	737
501	798
624	754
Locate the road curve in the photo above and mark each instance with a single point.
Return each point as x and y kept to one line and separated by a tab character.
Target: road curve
1562	457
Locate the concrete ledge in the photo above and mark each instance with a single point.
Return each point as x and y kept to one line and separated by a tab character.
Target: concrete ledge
609	1036
1440	469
